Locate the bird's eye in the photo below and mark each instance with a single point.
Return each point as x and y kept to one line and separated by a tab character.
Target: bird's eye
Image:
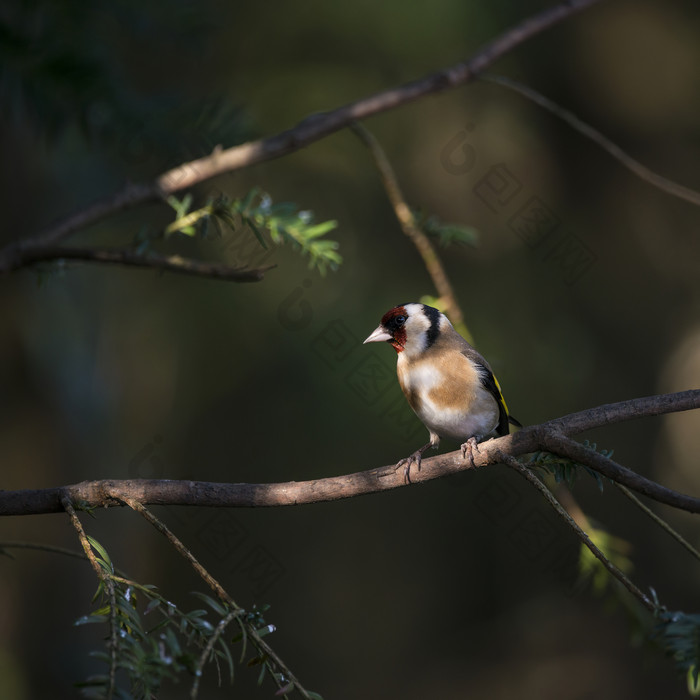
400	320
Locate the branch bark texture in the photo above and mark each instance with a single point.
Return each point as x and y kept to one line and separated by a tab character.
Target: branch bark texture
552	436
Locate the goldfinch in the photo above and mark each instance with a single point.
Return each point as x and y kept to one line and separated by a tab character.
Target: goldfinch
448	384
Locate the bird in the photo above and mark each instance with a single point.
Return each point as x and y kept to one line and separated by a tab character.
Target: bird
448	384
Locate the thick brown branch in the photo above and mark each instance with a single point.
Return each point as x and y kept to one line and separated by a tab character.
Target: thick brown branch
92	494
131	258
309	130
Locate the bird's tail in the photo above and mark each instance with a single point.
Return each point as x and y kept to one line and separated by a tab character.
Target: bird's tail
515	422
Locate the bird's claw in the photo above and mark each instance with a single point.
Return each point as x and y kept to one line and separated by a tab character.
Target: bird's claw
468	449
406	462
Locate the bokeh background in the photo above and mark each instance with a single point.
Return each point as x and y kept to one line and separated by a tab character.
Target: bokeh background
462	587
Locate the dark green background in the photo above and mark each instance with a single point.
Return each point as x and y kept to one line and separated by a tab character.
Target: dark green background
462	587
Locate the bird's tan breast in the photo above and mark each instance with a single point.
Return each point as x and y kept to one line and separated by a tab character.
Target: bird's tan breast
448	379
446	393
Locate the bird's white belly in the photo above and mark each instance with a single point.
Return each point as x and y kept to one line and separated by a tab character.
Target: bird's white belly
477	416
457	424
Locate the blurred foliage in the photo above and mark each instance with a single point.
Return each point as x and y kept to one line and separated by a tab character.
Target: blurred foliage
615	549
446	233
54	75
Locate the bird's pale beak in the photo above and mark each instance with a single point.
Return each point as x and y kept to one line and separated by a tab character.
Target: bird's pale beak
377	336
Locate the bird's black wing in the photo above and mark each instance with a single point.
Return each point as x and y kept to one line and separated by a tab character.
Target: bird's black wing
488	381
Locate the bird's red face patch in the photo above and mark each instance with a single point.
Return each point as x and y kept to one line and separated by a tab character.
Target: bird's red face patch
394	322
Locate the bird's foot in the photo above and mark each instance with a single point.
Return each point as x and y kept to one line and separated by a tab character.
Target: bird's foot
406	462
468	449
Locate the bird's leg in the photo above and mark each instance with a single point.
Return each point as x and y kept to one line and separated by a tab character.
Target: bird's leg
406	462
468	448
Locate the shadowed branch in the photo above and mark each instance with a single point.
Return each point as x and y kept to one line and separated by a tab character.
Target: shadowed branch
309	130
552	436
132	258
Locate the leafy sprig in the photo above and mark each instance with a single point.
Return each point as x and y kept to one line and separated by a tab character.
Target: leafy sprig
283	221
171	641
678	634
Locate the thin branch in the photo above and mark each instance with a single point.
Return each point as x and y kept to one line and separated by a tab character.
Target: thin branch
183	551
634	166
564	515
13	544
109	587
223	624
660	521
410	227
262	647
109	492
132	258
309	130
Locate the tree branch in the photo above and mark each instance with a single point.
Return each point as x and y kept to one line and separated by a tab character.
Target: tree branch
132	258
550	435
566	447
309	130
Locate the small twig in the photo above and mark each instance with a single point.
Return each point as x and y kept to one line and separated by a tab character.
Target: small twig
262	647
52	549
410	227
43	548
109	587
564	515
223	623
659	521
132	258
634	166
183	551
